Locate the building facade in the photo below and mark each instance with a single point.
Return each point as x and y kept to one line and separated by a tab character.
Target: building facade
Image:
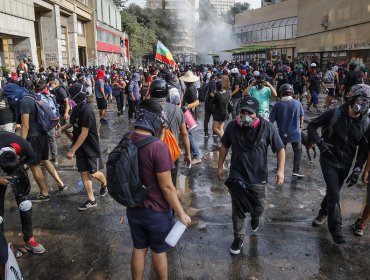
268	33
57	33
222	6
51	33
184	14
320	30
112	43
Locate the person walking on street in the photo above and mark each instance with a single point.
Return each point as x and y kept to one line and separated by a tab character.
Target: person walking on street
249	136
133	96
101	99
86	145
190	102
289	114
343	131
151	223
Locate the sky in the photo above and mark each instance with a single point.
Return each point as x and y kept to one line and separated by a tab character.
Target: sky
254	3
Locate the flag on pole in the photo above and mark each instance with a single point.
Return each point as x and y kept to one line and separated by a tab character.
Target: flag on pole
163	54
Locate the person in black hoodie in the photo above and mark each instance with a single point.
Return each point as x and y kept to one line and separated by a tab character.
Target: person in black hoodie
85	144
344	129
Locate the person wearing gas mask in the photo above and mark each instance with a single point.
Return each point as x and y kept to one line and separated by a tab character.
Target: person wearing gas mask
343	130
249	136
262	91
14	153
85	144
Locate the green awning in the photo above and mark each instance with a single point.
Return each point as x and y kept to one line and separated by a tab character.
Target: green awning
214	54
249	49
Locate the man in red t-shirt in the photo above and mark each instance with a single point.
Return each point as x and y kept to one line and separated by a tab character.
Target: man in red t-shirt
151	223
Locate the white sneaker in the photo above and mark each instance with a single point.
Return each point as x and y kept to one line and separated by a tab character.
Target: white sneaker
196	161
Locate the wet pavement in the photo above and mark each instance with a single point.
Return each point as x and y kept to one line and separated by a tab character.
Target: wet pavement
96	244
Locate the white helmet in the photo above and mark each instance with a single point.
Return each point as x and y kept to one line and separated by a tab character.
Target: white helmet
313	64
234	71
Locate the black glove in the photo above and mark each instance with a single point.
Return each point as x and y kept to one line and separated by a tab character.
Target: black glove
184	108
353	178
325	147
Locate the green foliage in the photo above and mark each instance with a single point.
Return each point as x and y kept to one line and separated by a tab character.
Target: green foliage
145	27
236	9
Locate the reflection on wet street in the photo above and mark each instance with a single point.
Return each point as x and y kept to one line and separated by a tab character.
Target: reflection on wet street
96	244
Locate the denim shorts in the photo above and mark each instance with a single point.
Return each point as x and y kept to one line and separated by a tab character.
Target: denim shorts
314	97
150	228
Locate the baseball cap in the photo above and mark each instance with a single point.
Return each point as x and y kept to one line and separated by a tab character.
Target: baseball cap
250	104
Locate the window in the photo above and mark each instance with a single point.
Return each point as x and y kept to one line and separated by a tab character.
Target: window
289	31
80	28
275	33
269	34
264	35
282	33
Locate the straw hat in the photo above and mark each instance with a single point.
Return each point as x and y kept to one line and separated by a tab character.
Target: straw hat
189	77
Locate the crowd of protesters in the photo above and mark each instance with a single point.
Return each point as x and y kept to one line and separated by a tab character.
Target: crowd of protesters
235	94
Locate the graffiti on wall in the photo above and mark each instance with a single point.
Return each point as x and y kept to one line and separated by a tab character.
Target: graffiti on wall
21	53
51	59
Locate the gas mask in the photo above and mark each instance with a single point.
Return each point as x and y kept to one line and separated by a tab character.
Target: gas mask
247	121
361	105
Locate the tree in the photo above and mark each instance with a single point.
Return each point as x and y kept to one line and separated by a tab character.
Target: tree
145	27
121	4
236	9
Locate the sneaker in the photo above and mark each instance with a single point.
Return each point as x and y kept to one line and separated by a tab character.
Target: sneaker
339	238
40	198
119	113
196	161
103	190
357	228
54	162
308	110
254	224
62	188
297	174
236	246
319	220
214	134
88	204
34	246
206	134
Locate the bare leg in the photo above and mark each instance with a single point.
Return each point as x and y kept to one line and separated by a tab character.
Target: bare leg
160	265
85	176
39	177
100	177
52	171
138	263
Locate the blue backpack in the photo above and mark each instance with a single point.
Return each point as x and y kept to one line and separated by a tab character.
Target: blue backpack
14	93
45	116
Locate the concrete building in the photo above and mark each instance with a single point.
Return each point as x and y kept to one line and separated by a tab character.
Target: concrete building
321	30
222	6
270	2
52	33
112	43
184	13
268	33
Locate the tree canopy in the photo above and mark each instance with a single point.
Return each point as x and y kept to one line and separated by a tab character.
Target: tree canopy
145	27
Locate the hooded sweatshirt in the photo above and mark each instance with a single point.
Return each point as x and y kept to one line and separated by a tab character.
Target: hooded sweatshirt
133	86
99	83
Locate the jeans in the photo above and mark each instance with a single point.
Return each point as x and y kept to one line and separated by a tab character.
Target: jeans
53	144
132	106
21	191
239	224
208	112
120	102
235	111
297	156
10	127
193	148
330	205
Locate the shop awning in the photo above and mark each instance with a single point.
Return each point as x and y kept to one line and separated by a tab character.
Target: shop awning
249	49
214	55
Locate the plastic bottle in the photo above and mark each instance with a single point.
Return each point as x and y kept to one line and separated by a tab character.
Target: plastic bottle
175	233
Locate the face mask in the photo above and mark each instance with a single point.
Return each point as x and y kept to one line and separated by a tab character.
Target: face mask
246	121
259	85
361	105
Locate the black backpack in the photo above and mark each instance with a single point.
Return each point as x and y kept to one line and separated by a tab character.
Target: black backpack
123	178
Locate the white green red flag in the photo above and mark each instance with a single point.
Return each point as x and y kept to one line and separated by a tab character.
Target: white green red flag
163	54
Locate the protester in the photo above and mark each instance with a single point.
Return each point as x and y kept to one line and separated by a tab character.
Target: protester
86	145
14	153
338	151
101	98
151	223
249	136
289	115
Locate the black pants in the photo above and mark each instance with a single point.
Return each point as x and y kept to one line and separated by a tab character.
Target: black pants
119	100
208	112
330	205
21	190
132	106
